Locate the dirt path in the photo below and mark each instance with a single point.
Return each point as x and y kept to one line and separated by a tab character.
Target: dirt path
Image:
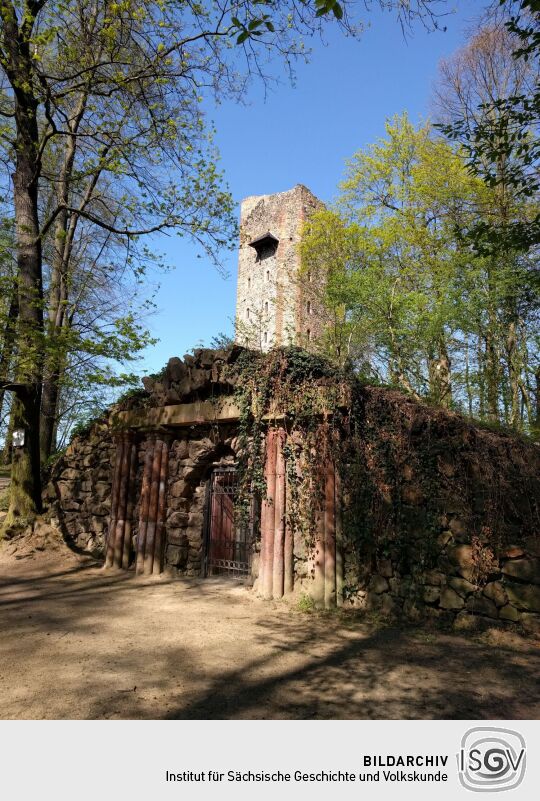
77	642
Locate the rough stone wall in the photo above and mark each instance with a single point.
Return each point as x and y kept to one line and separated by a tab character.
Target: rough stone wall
445	516
272	303
191	461
79	492
441	517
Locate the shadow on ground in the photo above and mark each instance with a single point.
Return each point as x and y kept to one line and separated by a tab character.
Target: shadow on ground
78	642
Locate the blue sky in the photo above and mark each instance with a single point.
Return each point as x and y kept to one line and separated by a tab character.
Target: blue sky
301	134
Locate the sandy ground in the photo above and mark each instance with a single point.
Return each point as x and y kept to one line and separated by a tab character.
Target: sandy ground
78	642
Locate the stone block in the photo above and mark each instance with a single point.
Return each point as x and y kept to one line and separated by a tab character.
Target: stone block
524	596
411	610
496	593
431	594
176	369
461	557
176	555
180	489
434	577
177	520
509	612
200	450
461	586
378	584
459	527
444	538
480	605
523	569
531	623
450	599
385	568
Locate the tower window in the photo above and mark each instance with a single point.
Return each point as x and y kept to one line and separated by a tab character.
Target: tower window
265	246
247	314
249	283
268	275
309	307
266	307
265	338
308	335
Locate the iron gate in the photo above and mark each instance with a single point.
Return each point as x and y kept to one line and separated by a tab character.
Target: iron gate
227	543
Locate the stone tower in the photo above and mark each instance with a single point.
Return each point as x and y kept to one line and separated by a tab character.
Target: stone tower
274	304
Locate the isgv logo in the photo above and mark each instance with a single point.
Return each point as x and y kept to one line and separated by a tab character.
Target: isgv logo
491	759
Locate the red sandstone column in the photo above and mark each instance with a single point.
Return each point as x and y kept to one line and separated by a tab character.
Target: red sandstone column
330	538
319	557
115	495
267	534
279	519
161	509
339	538
153	509
126	553
122	502
144	506
288	556
263	525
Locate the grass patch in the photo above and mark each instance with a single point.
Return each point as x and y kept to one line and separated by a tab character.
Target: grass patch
306	604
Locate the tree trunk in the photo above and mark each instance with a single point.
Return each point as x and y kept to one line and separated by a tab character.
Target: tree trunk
6	452
491	378
9	340
25	486
440	385
64	234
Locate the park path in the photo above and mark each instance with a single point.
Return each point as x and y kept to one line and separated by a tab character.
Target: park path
78	642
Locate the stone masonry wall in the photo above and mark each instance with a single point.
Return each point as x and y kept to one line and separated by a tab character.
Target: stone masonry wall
271	305
441	517
445	516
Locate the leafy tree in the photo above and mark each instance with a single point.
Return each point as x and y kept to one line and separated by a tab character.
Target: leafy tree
101	103
421	307
490	102
477	89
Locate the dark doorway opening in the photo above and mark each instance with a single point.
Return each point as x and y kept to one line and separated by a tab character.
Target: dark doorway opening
227	540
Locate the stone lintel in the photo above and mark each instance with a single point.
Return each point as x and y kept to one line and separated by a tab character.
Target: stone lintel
224	410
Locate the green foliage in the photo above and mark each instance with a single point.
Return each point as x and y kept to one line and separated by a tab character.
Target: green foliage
500	136
299	389
408	302
306	604
135	397
84	427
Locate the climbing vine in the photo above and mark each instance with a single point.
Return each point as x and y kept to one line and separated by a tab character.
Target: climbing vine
407	469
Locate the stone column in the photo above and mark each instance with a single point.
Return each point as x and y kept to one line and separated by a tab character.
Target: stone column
150	540
119	536
279	518
330	537
145	503
268	518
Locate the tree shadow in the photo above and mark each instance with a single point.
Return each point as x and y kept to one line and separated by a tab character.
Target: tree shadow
83	642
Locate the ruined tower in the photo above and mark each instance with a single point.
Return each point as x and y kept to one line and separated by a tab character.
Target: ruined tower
275	305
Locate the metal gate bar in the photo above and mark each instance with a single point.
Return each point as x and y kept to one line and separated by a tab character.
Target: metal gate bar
227	544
